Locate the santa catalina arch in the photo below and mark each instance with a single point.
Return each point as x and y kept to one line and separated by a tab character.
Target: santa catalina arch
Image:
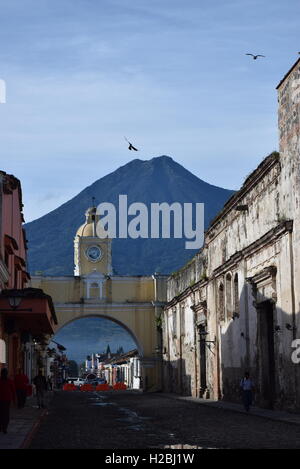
134	302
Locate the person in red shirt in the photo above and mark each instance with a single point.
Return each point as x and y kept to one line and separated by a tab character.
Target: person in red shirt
21	385
7	395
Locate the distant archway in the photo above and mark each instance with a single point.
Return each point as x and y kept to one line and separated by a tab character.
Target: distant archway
108	318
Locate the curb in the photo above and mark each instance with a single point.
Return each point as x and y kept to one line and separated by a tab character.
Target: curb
217	405
28	438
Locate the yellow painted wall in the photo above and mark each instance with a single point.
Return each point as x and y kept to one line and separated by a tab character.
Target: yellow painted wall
128	301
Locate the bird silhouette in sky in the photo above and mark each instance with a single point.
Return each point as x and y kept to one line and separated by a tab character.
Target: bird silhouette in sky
255	56
131	147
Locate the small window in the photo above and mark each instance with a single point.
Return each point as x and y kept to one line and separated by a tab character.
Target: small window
221	302
182	321
236	295
174	322
228	296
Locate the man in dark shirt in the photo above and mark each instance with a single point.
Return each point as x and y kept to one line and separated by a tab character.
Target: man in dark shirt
40	387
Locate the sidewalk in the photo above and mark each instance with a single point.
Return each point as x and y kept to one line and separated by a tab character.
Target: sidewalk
277	415
23	423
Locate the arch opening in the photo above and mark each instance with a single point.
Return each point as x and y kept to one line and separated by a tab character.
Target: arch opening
102	347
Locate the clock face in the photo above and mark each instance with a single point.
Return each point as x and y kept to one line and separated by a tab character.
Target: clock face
94	253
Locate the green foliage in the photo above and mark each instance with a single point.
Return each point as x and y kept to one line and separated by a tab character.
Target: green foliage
72	368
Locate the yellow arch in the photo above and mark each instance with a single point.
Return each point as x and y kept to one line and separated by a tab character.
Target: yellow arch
109	318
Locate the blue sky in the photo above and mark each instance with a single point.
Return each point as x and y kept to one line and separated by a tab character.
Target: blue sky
92	335
170	75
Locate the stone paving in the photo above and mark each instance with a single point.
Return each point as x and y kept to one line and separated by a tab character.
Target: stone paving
22	423
135	420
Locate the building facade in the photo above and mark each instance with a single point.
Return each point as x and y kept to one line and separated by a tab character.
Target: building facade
26	315
124	368
236	305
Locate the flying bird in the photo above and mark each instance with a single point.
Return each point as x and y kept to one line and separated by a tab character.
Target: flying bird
131	147
255	56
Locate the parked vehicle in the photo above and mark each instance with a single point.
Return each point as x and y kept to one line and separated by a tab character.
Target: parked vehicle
77	381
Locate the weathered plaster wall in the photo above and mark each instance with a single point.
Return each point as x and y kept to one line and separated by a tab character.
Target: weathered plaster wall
255	240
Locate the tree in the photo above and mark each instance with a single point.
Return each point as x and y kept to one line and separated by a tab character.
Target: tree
82	369
73	368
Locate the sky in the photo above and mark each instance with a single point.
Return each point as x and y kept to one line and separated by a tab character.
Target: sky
92	335
170	75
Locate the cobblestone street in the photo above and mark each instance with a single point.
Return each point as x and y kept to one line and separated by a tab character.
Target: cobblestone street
136	420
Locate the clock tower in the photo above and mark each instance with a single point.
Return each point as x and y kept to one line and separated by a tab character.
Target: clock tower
92	254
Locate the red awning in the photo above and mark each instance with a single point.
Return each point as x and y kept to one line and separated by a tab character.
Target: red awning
34	315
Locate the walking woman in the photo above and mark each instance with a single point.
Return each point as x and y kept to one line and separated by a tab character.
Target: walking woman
247	387
7	395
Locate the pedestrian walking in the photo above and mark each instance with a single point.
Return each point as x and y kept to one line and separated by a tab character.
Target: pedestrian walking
40	386
7	395
21	386
49	383
247	387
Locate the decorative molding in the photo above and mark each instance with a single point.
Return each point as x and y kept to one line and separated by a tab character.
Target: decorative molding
54	279
264	286
257	175
158	304
104	306
130	279
269	238
201	306
268	273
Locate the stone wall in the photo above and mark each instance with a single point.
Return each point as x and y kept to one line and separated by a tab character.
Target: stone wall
235	306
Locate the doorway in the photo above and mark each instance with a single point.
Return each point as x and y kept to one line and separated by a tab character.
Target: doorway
266	353
203	366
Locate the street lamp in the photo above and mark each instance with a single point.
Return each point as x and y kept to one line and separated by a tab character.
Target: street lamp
14	301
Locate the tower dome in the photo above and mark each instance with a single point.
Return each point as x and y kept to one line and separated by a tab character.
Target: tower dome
91	227
92	247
